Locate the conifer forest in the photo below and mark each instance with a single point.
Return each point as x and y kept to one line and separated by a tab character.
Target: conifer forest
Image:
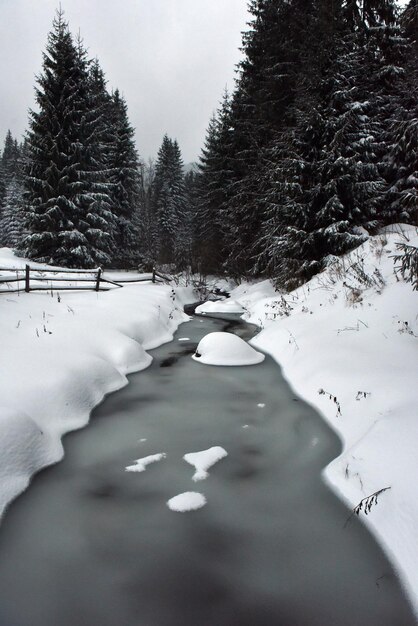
316	146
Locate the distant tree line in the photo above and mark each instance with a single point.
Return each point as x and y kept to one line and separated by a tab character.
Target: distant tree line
316	147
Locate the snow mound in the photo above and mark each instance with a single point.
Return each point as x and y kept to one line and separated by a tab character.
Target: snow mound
203	460
220	306
187	501
140	465
226	349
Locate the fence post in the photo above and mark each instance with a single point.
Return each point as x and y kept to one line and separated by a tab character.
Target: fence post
27	275
99	273
153	274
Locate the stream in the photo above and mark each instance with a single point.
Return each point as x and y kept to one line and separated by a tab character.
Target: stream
89	544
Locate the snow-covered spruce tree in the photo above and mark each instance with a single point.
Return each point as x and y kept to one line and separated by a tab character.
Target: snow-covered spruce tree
375	63
11	155
326	182
64	185
214	187
169	203
2	184
183	210
12	225
350	185
258	109
125	179
97	221
402	168
286	246
286	250
285	53
148	233
403	193
325	93
191	252
10	163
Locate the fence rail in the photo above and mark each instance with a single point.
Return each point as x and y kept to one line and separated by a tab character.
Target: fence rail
31	276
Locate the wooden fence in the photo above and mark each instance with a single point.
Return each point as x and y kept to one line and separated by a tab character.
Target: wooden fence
28	279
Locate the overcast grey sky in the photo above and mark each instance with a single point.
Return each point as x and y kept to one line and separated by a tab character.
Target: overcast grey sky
170	58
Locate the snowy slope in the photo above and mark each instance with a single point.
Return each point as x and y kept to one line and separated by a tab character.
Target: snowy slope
352	332
60	356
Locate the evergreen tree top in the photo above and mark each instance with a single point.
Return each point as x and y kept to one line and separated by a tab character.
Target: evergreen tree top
9	147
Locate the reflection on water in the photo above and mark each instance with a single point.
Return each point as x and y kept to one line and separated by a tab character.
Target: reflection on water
90	544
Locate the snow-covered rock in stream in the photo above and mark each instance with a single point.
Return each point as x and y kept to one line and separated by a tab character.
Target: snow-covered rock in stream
220	306
226	349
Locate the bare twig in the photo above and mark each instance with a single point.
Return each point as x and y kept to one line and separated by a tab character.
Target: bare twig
366	504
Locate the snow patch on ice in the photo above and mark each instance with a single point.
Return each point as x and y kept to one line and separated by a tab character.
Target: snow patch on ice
187	501
203	460
140	465
261	405
226	349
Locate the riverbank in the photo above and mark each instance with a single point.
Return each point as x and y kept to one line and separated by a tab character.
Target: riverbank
61	353
348	343
107	536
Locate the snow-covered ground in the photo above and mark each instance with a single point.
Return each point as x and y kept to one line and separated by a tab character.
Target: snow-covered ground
60	354
348	343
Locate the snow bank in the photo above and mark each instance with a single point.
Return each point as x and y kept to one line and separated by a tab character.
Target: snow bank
140	465
348	343
226	349
203	460
61	353
187	501
220	306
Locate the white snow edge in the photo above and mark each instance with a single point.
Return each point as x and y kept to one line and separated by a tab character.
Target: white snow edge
60	357
326	335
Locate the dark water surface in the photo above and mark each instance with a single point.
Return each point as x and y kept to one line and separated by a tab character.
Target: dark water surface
90	544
